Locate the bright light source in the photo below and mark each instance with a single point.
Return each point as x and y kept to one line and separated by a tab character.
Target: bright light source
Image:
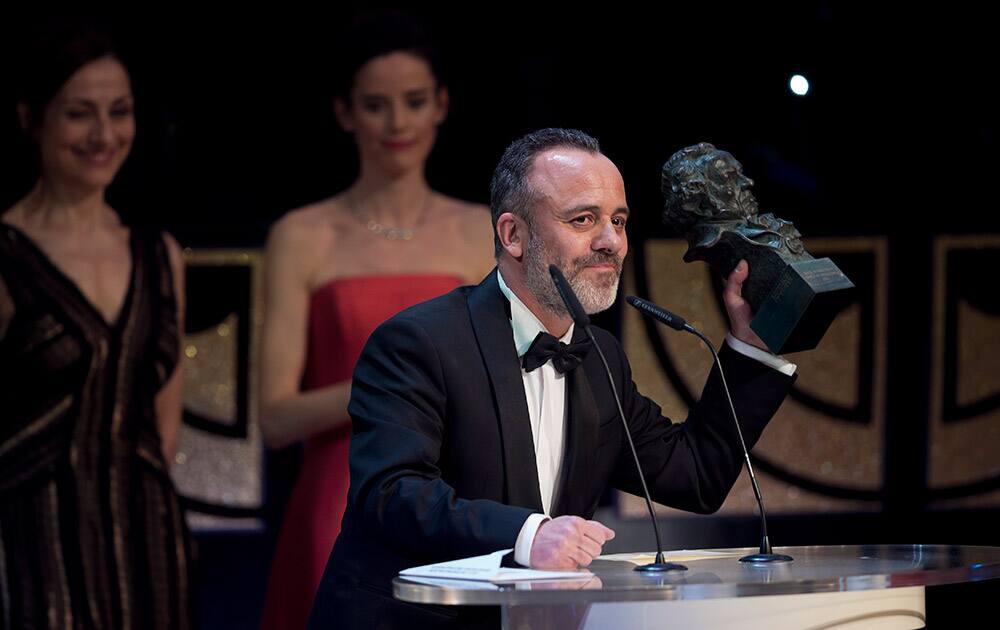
799	85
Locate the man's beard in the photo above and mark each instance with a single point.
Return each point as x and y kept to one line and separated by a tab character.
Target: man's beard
595	295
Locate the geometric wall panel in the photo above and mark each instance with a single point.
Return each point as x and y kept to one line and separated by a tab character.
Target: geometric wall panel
964	450
218	469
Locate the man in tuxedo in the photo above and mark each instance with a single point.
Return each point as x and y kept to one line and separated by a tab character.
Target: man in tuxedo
475	430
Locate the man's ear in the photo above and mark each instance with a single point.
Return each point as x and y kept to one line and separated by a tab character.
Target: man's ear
513	234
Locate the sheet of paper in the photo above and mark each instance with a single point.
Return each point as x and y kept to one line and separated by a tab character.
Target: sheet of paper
486	568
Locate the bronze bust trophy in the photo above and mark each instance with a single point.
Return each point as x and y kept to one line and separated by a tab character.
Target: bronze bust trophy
795	297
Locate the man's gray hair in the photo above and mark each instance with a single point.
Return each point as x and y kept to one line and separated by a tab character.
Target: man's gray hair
509	189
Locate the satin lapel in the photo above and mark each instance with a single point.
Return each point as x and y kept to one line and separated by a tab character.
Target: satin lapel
488	308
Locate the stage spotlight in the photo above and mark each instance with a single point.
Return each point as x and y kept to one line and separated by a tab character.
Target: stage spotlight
799	85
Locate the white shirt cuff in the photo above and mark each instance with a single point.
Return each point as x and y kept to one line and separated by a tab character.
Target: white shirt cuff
771	360
522	548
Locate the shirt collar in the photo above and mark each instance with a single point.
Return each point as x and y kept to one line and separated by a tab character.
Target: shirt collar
524	323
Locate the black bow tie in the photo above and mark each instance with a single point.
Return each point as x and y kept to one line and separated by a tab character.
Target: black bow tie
564	357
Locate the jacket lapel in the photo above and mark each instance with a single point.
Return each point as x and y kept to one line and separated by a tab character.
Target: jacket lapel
489	310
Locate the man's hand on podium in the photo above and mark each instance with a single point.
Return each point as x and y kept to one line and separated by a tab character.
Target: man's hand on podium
568	542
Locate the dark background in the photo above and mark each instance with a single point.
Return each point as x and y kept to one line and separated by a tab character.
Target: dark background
896	138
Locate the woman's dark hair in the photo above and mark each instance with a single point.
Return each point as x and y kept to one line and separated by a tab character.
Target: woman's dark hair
372	34
54	54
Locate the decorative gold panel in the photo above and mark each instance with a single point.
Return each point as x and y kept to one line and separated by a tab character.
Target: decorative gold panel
964	454
218	468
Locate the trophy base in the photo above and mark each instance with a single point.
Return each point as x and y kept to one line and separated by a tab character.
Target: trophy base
801	306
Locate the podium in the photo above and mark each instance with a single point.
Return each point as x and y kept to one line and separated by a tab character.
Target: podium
857	586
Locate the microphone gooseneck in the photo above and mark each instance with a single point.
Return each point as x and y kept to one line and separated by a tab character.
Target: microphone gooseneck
765	554
581	319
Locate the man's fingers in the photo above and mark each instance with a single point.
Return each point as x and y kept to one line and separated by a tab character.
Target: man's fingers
581	557
734	283
568	542
598	532
590	547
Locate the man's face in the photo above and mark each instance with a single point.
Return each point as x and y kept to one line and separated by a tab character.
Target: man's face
728	184
578	224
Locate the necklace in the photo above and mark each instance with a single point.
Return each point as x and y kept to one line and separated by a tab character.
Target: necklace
390	232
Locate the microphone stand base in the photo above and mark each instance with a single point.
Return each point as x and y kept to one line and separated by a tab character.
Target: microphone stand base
660	567
766	558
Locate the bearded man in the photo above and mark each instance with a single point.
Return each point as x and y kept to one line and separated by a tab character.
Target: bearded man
482	422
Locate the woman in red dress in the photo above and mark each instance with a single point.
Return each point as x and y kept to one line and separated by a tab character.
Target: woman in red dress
338	268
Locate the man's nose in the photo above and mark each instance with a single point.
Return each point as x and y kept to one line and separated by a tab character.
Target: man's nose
609	239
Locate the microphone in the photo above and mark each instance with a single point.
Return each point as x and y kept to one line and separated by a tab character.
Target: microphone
581	319
663	315
676	322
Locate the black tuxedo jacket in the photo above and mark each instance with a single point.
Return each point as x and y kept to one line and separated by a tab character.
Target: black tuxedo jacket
442	457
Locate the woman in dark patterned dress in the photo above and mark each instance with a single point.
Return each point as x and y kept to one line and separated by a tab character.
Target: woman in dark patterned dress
91	533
